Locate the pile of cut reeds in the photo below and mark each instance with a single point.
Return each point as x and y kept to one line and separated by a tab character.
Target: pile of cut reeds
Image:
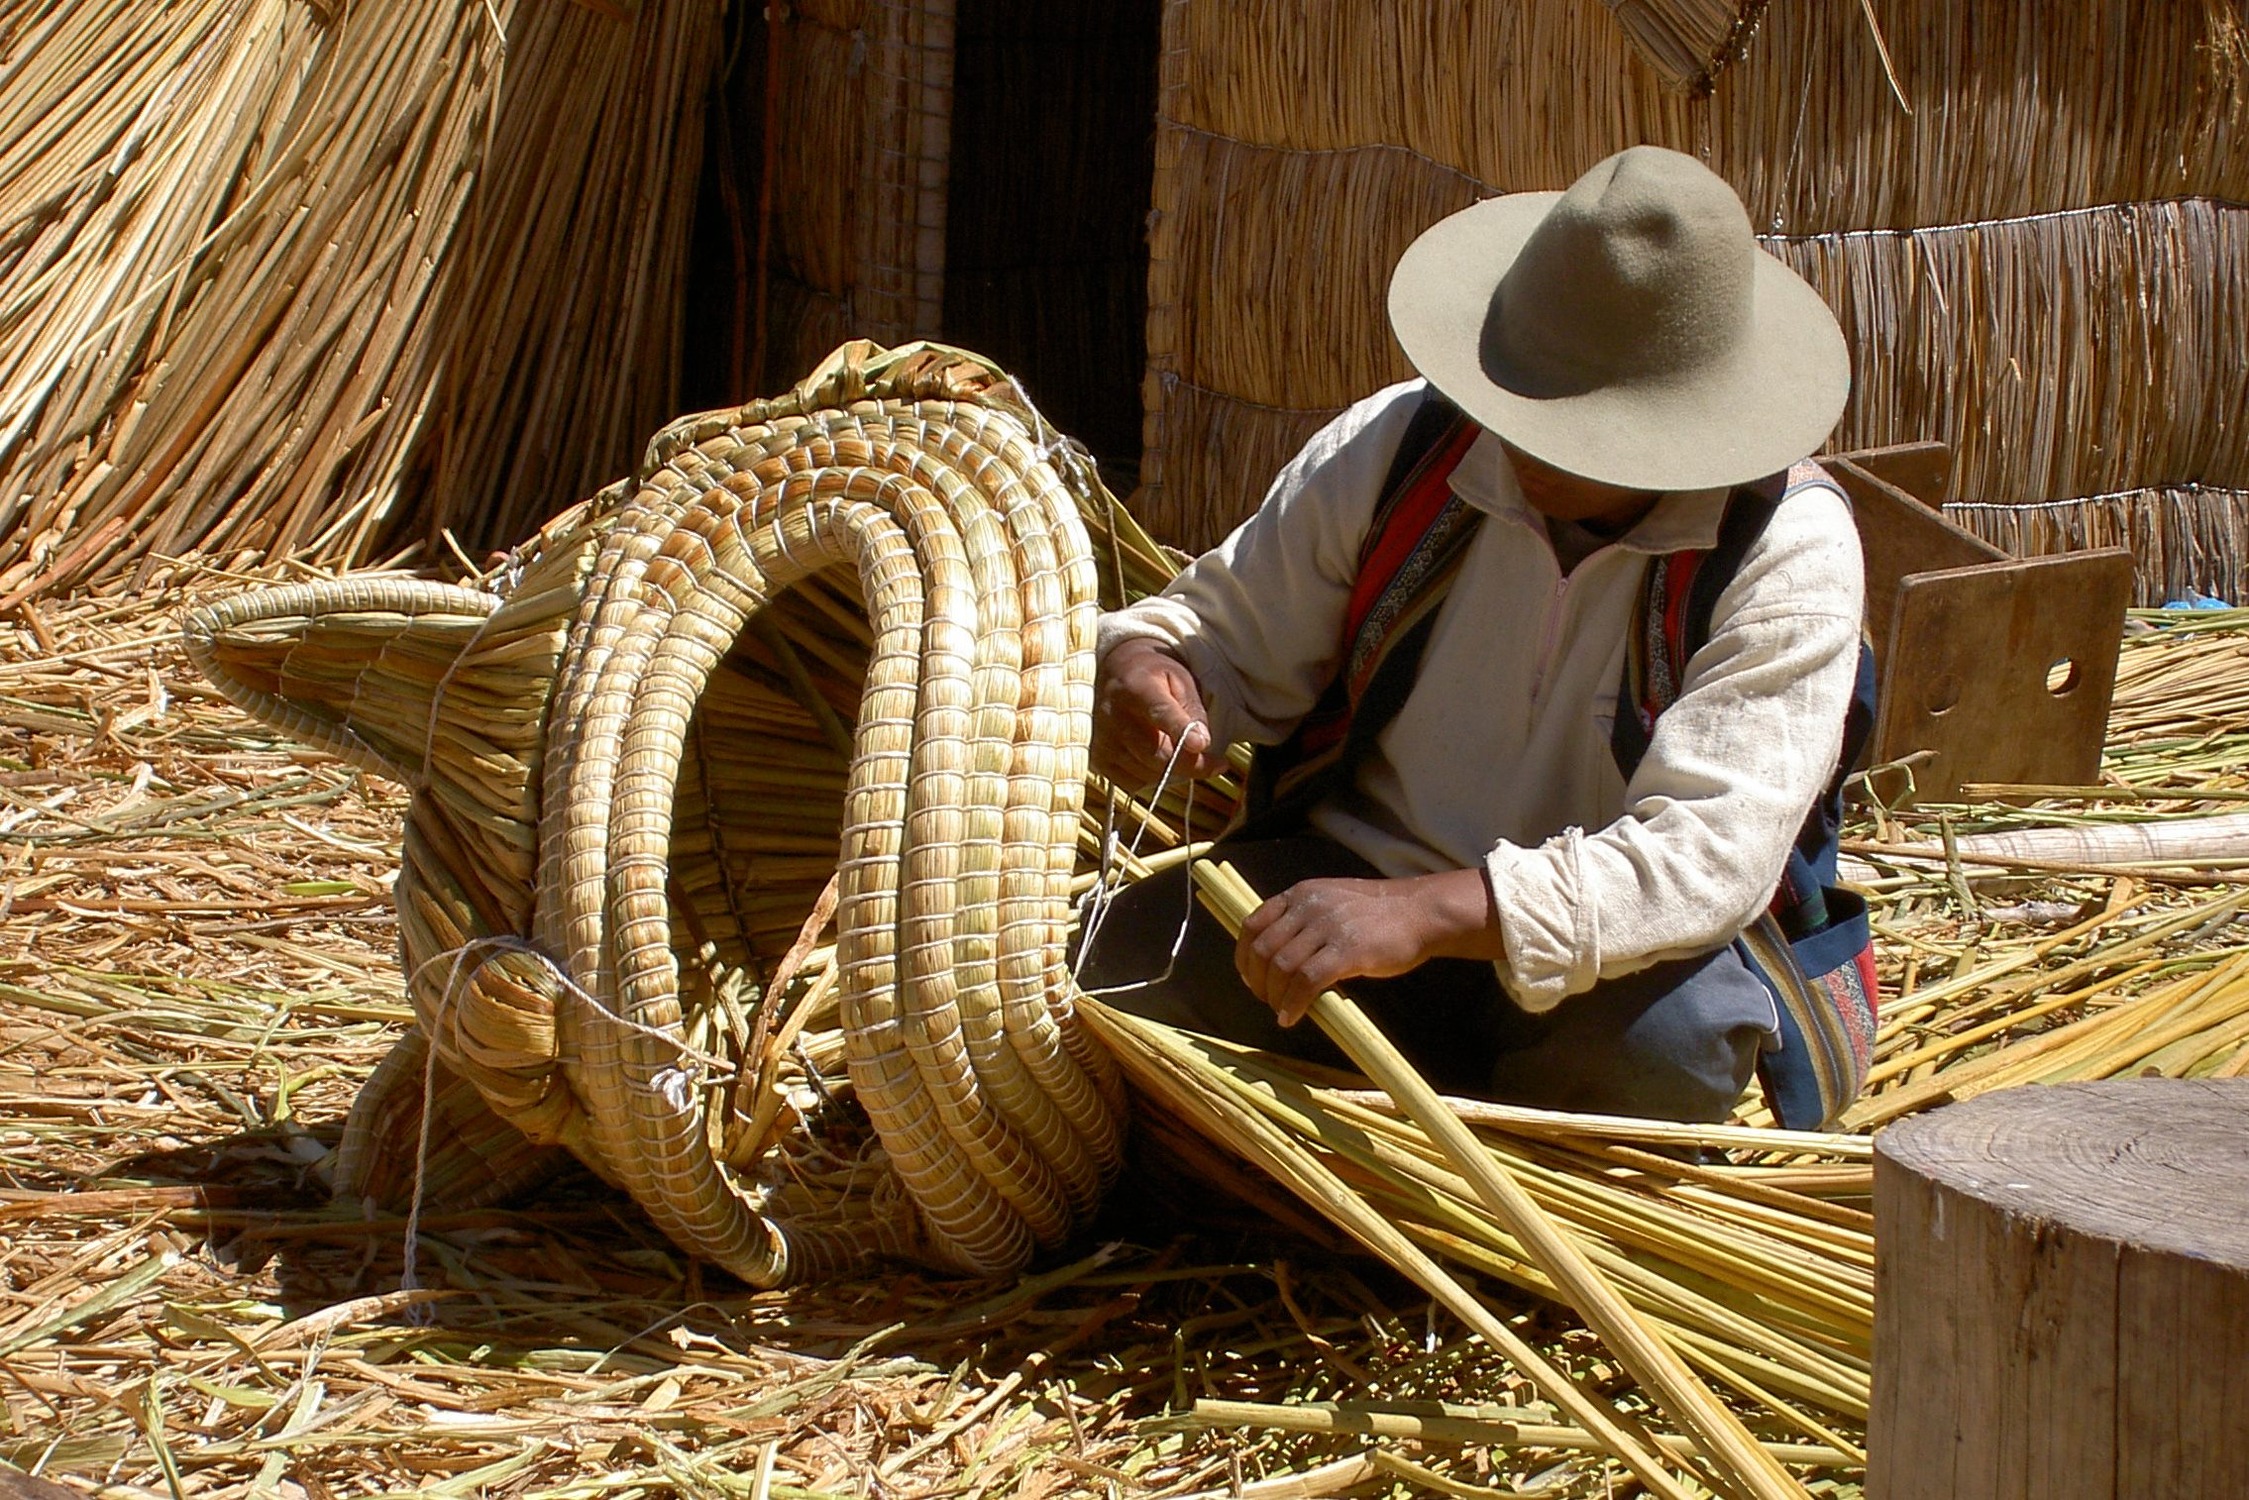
196	949
290	278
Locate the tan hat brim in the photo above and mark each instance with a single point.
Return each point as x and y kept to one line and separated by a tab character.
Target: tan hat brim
1773	400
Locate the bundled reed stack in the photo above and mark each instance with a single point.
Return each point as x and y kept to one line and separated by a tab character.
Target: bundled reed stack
2028	221
860	614
292	277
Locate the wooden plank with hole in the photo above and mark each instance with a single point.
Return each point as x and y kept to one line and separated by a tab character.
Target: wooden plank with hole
1900	535
2003	671
1922	470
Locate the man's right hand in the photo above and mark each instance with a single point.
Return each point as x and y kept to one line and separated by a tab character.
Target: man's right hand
1146	704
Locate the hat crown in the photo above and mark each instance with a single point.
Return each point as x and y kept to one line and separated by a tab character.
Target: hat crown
1643	271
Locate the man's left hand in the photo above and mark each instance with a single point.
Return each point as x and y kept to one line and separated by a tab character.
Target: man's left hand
1319	933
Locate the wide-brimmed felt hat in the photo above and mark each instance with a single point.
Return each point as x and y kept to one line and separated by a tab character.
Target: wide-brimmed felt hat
1628	330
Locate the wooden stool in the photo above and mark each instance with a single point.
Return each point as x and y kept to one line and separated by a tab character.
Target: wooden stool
2062	1295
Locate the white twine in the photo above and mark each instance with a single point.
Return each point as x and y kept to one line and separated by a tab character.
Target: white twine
499	586
675	1085
709	1066
408	1279
1102	897
419	1314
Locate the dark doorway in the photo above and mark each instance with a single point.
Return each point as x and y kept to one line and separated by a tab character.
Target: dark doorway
1050	173
1046	249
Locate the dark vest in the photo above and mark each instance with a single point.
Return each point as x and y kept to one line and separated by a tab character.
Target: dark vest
1813	948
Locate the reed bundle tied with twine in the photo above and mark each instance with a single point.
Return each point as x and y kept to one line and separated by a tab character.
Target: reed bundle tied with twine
264	266
861	612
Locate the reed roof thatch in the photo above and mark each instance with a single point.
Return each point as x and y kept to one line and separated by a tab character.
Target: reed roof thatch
290	277
2027	220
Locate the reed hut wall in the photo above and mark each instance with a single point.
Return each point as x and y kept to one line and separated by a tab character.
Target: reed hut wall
2029	218
1030	149
846	109
283	277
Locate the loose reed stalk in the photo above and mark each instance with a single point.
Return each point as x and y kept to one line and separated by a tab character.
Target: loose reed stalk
1447	1422
1165	1058
1637	1347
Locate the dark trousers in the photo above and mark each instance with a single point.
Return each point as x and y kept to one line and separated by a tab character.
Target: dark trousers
1678	1041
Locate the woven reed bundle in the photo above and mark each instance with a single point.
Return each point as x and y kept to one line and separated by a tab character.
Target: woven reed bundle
630	791
2039	264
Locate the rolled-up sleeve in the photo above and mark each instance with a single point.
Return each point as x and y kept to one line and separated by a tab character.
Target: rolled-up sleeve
1259	618
1734	765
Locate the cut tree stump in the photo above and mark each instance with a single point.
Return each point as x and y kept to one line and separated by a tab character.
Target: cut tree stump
2062	1295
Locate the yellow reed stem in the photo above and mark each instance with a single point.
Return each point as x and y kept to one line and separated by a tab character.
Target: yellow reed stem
1164	1062
1653	1362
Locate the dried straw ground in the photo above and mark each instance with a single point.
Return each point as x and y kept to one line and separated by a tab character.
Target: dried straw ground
196	970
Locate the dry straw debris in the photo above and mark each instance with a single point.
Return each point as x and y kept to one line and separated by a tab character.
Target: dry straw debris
197	975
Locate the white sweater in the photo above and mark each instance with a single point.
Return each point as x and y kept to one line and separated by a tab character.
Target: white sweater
1501	756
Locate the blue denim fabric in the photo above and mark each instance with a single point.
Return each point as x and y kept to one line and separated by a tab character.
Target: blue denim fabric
1678	1041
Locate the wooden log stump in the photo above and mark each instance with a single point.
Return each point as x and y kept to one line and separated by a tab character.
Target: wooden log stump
2062	1295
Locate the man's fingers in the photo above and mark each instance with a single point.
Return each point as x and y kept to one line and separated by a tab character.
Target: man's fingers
1174	704
1287	956
1182	738
1269	911
1150	714
1304	986
1266	929
1289	977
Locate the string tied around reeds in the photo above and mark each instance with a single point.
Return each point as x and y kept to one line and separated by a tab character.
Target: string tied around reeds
633	774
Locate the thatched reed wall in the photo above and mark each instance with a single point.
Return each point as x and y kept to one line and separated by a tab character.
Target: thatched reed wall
846	107
2045	263
972	170
289	277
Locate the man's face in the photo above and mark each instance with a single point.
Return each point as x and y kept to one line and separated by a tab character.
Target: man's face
1568	497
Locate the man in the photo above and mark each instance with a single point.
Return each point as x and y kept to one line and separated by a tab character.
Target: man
1429	621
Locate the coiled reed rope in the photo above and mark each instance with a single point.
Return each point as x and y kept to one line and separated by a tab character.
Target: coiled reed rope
550	890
